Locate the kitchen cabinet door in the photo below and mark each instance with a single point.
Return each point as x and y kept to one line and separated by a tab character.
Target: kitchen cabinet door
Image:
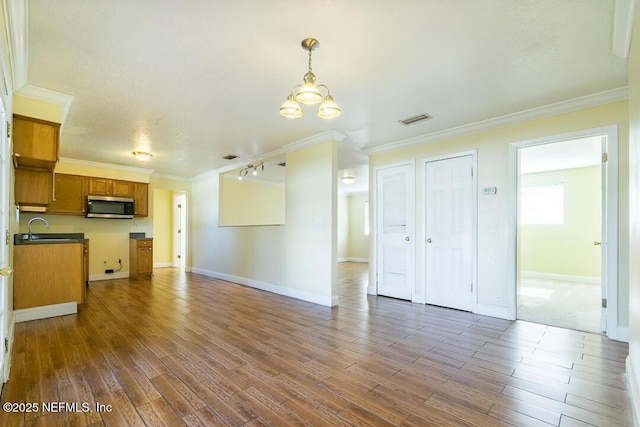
35	142
141	199
121	188
99	186
33	187
70	195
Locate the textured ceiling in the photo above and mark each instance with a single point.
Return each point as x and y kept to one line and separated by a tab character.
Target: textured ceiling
194	81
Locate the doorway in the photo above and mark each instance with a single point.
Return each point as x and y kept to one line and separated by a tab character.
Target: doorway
564	234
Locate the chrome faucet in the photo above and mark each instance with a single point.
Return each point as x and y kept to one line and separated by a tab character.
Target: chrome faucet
36	218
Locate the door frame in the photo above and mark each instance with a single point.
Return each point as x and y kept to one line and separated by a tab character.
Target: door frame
611	248
474	221
373	220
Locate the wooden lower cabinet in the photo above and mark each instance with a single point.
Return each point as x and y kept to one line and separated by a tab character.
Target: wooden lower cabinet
47	274
140	257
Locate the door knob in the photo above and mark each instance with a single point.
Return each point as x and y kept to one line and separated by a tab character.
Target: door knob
407	238
429	240
596	243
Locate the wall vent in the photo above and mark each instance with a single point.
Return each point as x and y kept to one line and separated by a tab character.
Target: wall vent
414	119
230	157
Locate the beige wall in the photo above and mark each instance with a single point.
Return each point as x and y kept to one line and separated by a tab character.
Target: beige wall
358	241
297	259
343	227
162	227
493	276
353	244
251	202
633	362
567	248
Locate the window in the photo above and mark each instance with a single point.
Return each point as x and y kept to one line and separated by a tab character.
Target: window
542	205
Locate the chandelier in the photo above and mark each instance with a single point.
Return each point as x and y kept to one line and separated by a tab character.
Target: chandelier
309	93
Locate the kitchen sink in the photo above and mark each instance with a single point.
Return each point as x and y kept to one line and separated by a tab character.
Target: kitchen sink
23	238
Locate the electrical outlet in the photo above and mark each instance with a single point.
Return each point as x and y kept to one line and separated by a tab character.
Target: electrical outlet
109	271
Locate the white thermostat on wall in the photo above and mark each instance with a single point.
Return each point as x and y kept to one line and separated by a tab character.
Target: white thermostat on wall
488	191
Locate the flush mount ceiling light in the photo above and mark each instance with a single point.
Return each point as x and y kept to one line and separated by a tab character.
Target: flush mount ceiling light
250	168
348	179
309	93
143	156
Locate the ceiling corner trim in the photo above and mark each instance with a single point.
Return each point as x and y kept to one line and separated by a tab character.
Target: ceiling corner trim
17	26
575	104
622	27
329	135
141	171
51	96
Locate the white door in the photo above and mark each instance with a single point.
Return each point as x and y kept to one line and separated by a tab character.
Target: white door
603	243
5	269
394	231
449	233
179	230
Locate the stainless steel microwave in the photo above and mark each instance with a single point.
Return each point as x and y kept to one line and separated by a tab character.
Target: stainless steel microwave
109	207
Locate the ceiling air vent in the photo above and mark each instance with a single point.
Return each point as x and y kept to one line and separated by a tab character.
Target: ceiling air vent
415	119
230	157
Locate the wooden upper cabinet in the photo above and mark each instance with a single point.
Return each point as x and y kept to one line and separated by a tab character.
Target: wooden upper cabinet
35	143
99	186
110	187
33	187
141	199
121	188
70	194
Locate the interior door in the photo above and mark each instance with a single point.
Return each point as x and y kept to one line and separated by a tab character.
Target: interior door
394	231
449	232
604	173
5	269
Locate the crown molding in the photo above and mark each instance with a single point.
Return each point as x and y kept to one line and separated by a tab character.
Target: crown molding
142	171
622	27
49	96
330	135
17	29
170	177
575	104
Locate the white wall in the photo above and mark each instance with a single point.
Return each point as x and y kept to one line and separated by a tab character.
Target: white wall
297	259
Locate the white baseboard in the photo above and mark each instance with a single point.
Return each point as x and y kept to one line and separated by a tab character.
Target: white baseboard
622	334
104	276
162	264
493	311
560	277
269	287
352	259
633	383
26	314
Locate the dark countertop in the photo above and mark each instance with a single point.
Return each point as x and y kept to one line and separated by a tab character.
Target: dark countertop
41	238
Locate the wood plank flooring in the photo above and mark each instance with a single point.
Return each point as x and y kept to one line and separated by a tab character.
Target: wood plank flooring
184	349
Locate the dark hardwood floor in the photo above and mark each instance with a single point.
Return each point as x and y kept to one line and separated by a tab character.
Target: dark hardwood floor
186	349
